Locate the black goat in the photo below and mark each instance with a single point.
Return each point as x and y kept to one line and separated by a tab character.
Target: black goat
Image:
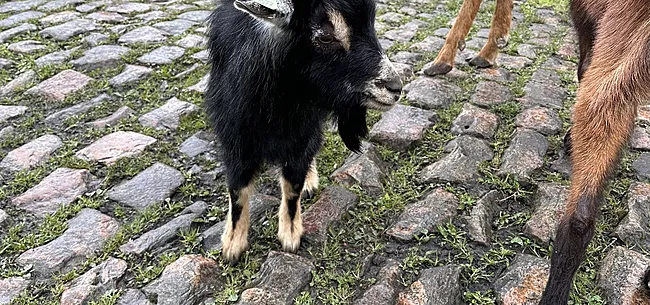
276	77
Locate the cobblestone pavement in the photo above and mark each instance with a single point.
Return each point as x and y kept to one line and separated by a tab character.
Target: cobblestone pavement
112	188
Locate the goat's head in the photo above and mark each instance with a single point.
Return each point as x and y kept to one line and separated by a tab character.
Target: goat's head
343	59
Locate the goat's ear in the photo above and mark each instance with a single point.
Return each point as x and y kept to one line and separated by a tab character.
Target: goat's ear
273	11
352	127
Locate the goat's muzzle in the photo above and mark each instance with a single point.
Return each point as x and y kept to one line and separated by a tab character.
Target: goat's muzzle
383	92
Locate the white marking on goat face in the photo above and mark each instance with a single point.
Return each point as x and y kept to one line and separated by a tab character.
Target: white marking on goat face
341	28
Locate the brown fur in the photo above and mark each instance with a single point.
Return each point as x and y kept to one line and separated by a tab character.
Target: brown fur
498	37
614	76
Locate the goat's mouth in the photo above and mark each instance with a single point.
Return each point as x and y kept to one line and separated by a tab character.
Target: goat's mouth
379	98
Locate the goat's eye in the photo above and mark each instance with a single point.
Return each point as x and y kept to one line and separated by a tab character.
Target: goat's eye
325	39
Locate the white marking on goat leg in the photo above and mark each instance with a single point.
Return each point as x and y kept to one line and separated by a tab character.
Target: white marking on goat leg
341	28
311	181
234	239
289	230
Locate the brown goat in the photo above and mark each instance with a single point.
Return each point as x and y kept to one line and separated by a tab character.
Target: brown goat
614	74
497	39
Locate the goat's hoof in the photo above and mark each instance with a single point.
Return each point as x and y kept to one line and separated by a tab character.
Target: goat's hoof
308	194
479	62
290	234
232	251
502	42
438	69
461	45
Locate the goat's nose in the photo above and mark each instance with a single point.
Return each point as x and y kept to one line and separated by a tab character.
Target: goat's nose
388	77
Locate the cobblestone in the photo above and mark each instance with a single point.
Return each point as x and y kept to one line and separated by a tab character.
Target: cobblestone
418	217
150	186
31	154
115	146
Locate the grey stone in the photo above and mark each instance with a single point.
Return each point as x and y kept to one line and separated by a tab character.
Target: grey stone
435	286
101	57
19	18
114	118
550	204
130	8
513	62
95	39
201	86
151	186
3	218
131	74
6	133
119	29
259	204
424	215
133	297
461	164
442	32
476	122
57	87
332	204
151	16
58	189
544	89
192	41
428	93
384	291
479	221
69	29
162	56
554	63
89	7
87	232
525	153
541	119
179	7
115	146
385	43
11	287
106	17
642	166
391	17
402	126
472	147
527	50
497	75
365	169
175	27
187	281
633	228
10	112
31	154
280	279
400	35
194	146
55	58
640	139
58	4
60	17
168	115
58	118
94	283
523	282
621	277
26	46
144	35
408	58
201	55
490	93
23	28
196	16
429	44
17	6
5	63
163	234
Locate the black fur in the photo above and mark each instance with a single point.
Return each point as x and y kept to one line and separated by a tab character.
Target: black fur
272	89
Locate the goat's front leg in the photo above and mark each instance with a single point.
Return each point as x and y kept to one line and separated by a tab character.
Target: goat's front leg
444	62
498	37
234	239
292	184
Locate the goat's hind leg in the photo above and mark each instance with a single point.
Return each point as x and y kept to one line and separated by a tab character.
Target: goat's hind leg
292	184
311	182
234	239
444	62
498	37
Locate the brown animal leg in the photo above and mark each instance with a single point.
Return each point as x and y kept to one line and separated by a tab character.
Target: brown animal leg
611	88
498	37
444	62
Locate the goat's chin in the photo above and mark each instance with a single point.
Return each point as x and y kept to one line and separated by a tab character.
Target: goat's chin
379	98
370	104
